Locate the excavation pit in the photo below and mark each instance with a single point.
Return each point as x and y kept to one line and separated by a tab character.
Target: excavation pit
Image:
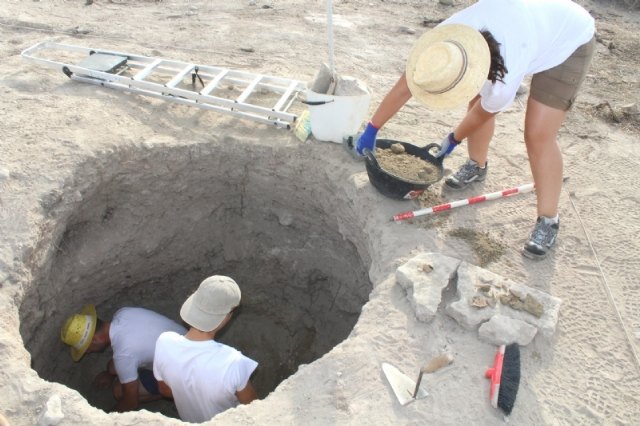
143	226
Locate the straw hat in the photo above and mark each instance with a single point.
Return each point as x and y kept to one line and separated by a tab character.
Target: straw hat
448	65
212	301
78	331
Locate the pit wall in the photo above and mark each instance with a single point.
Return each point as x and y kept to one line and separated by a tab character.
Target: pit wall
59	258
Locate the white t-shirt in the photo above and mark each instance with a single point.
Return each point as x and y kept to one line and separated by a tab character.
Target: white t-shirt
204	376
534	36
133	334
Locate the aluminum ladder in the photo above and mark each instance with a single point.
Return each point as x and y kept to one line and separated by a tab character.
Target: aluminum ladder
257	97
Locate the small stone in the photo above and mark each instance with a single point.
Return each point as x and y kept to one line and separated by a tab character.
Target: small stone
533	306
484	287
397	148
4	173
247	49
479	302
446	2
80	30
425	267
52	414
407	30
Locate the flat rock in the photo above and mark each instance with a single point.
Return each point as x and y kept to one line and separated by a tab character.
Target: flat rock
424	277
504	330
503	297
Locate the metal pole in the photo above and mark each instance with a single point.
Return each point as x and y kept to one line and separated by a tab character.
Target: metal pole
330	37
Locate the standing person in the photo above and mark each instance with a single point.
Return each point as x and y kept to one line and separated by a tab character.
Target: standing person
203	376
132	334
480	55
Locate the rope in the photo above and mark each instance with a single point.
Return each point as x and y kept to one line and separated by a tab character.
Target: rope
606	286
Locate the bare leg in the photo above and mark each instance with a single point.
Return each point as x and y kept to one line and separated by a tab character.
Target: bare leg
545	158
478	141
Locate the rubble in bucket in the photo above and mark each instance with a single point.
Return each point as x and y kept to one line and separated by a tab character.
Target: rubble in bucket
337	104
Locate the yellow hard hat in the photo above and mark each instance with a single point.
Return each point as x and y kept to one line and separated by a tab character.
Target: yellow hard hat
78	331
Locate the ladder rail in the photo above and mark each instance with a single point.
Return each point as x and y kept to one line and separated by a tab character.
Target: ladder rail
237	113
172	73
207	99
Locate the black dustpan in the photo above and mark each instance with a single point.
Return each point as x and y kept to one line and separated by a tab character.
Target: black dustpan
393	186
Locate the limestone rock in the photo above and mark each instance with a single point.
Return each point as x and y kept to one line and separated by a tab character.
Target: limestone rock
52	414
504	297
424	277
504	330
471	281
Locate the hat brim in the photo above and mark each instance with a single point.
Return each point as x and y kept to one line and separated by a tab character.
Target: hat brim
198	319
76	354
478	63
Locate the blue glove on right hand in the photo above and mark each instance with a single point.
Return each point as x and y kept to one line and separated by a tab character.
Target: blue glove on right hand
447	146
367	139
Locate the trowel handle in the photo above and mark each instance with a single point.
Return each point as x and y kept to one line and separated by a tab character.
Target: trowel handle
437	363
434	365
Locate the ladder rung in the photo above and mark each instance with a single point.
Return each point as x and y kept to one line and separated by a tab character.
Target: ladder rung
285	96
178	78
213	83
249	89
141	68
147	70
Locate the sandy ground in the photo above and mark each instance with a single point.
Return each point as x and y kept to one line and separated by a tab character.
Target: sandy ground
63	141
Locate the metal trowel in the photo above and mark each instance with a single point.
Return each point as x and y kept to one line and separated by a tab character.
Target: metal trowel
407	390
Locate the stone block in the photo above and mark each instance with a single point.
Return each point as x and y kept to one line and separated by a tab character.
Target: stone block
424	277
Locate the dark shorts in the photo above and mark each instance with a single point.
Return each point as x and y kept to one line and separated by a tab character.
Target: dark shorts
558	86
149	381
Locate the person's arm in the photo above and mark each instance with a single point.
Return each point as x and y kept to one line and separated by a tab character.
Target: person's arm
104	379
472	121
247	394
390	105
129	400
164	389
392	102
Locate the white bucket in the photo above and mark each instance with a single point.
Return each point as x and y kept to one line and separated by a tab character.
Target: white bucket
338	116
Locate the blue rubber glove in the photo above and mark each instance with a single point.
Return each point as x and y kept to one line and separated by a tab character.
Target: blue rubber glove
367	139
447	145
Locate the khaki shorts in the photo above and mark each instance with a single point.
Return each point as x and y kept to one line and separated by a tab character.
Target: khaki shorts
558	86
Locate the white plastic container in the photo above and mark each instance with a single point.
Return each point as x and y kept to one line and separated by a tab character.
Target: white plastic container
339	115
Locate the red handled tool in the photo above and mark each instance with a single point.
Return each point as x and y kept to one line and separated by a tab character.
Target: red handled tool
505	377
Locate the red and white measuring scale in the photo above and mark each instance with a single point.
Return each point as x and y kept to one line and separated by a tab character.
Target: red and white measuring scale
459	203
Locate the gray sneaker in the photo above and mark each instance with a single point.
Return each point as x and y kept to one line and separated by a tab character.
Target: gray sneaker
468	173
542	238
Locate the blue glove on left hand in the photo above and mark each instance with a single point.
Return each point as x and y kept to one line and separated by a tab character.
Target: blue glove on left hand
367	139
448	144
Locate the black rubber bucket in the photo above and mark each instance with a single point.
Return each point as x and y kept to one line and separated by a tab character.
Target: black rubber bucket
396	187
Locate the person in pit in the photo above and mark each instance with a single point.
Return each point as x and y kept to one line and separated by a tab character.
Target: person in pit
479	56
132	335
203	376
